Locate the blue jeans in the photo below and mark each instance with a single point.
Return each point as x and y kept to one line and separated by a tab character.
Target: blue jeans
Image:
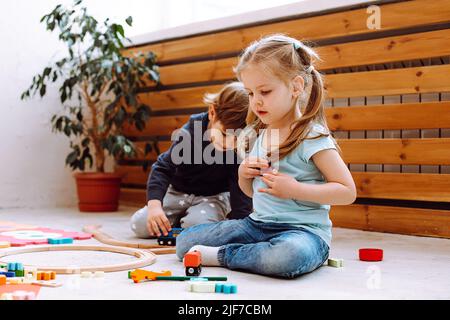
272	249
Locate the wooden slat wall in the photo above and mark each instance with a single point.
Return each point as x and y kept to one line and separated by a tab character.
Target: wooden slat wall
388	105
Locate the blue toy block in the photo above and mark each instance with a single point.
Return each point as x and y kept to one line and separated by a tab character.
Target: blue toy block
11	266
60	240
198	279
66	240
9	274
219	287
226	288
233	288
19	266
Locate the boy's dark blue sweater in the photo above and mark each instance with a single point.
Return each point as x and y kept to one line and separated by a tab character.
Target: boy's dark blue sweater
201	179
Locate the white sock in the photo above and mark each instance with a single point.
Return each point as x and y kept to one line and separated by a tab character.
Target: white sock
209	255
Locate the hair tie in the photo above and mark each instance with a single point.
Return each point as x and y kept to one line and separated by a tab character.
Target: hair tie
310	69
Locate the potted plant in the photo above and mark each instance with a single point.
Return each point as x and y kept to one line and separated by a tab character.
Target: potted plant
98	87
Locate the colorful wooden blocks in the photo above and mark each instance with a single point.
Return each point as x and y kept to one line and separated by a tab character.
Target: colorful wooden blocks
202	286
211	287
337	263
46	275
60	240
8	274
138	275
193	263
86	274
99	274
370	254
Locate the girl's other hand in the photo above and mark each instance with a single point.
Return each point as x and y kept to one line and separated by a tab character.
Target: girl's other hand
251	167
280	185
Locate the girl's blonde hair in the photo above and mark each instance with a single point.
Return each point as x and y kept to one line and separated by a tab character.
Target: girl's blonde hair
231	105
286	58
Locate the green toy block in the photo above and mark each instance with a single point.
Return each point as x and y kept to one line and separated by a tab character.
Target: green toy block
19	273
336	263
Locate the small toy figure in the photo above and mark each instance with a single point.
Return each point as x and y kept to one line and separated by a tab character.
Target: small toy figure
170	239
193	263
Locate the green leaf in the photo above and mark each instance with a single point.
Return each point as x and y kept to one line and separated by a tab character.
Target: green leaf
73	156
85	142
42	90
119	29
129	21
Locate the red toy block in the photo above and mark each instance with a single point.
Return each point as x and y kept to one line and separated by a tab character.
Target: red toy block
370	254
193	263
192	259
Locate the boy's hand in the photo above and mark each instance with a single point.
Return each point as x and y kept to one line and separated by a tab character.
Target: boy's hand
251	167
157	220
280	185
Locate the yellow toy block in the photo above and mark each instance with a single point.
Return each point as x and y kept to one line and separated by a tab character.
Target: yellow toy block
138	275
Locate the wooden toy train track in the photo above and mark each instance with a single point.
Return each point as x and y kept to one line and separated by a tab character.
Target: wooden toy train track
99	235
145	258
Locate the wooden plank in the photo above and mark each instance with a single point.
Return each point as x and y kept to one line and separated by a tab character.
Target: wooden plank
157	126
133	174
352	22
411	221
153	155
389	82
351	216
403	186
211	70
429	115
178	98
390	49
133	197
385	185
357	84
427	151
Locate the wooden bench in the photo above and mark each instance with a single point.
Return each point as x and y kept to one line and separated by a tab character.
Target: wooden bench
388	104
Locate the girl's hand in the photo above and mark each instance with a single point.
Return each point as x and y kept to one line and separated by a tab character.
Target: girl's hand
280	185
251	167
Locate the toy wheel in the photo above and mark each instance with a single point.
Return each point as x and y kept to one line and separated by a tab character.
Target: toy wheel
199	269
190	271
169	242
161	242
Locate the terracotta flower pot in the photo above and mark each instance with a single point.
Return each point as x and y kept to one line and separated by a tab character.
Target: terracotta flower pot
98	192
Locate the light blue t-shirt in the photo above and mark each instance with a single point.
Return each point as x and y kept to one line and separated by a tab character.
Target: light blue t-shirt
308	215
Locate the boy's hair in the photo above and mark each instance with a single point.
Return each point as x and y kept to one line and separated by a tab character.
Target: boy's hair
231	105
285	58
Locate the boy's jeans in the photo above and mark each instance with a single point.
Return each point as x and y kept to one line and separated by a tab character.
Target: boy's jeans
185	210
271	249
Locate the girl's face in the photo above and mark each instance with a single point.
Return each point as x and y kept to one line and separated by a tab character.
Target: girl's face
270	98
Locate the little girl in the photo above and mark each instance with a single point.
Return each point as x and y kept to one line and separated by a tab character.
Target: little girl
289	231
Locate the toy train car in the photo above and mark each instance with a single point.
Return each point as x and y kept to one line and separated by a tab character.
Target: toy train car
193	263
171	238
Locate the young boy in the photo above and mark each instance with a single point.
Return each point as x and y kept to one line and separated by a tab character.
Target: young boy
196	180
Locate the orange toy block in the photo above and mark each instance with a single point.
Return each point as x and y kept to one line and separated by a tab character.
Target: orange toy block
192	259
138	275
2	280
